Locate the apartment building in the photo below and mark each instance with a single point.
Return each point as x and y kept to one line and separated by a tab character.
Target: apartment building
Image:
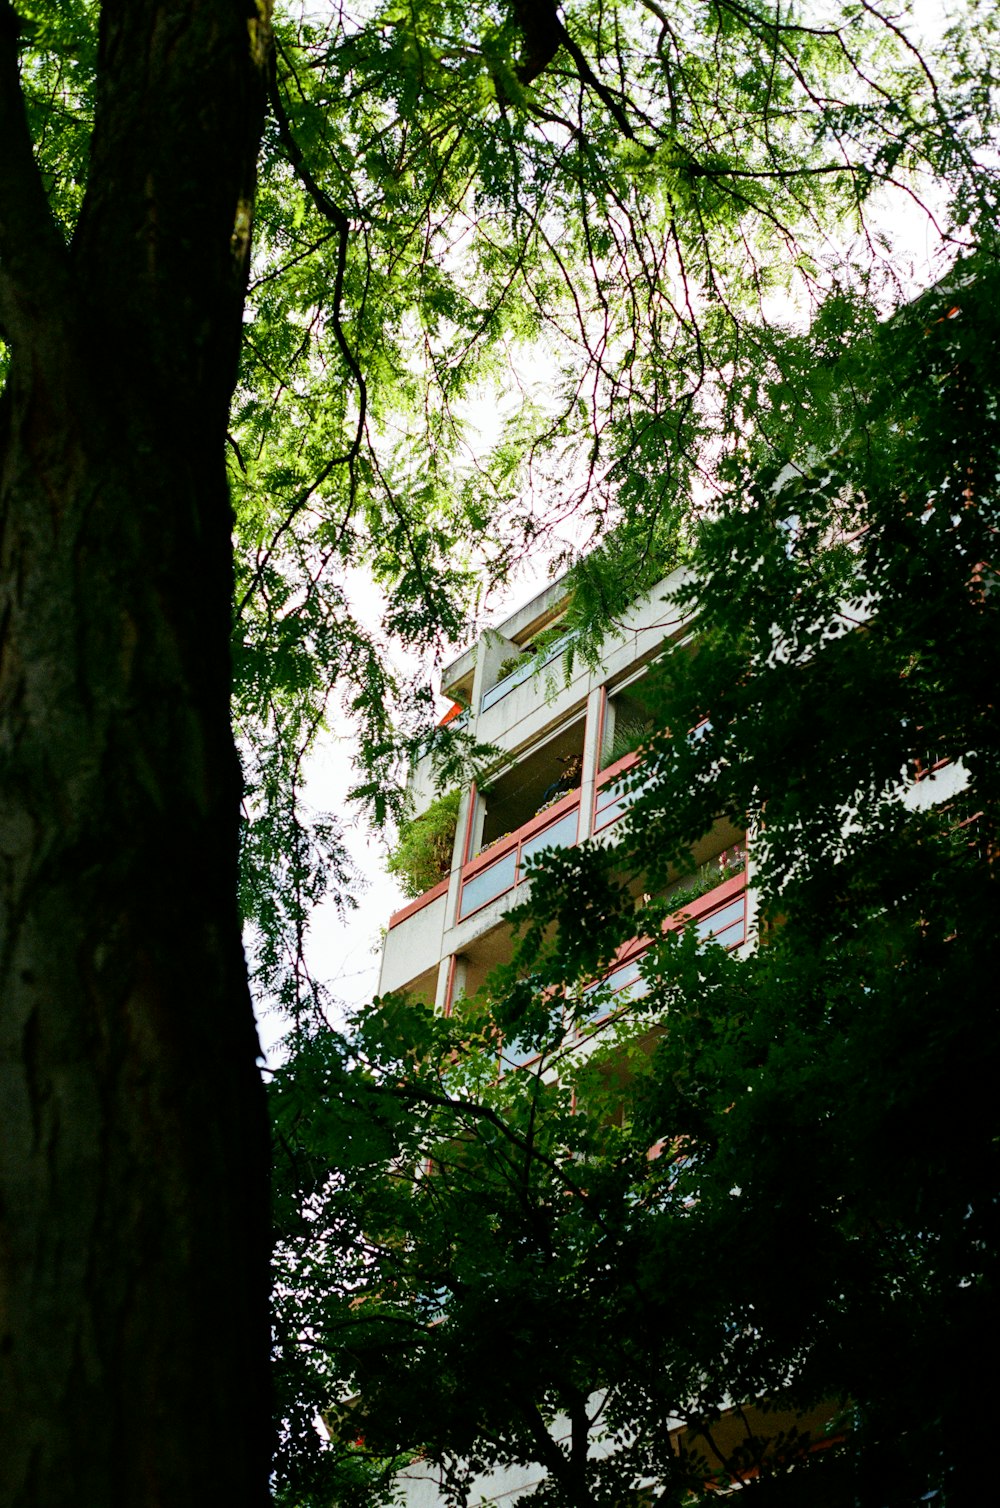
567	738
569	741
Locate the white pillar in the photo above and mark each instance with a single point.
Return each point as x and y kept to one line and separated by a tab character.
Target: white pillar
453	973
591	761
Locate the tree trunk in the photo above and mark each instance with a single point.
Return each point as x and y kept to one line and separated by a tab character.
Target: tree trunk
133	1221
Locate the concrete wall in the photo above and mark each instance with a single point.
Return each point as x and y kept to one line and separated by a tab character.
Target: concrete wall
547	700
516	725
413	946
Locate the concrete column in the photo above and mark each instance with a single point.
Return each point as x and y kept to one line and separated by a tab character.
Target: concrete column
453	972
477	820
591	761
491	649
467	813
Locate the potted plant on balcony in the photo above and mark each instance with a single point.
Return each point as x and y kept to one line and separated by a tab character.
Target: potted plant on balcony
729	862
510	664
422	854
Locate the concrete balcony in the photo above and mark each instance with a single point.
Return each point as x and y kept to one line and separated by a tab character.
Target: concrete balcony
530	667
501	868
476	898
414	944
720	915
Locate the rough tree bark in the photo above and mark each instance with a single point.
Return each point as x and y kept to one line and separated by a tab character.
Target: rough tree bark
133	1221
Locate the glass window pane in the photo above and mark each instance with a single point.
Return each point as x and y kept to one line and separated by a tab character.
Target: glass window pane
514	1053
709	926
626	973
611	802
600	1007
561	834
489	883
625	983
617	797
730	936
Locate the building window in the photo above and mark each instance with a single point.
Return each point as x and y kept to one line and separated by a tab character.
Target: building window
607	996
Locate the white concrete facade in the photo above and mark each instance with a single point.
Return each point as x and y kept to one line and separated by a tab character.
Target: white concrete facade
520	720
557	783
444	944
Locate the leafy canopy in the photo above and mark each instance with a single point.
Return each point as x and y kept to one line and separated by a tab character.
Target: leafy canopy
768	1178
587	221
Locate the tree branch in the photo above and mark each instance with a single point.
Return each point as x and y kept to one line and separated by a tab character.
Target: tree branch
338	219
544	33
34	263
477	1111
549	1455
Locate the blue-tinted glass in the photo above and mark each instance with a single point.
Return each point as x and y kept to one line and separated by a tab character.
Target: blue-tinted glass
611	802
730	936
626	983
561	834
489	883
514	1053
711	926
618	797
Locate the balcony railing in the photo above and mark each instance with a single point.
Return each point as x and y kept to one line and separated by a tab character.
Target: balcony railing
522	673
720	914
411	907
501	868
624	983
618	786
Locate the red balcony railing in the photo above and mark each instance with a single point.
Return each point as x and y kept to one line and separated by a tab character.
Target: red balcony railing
617	788
421	901
720	914
619	785
501	867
